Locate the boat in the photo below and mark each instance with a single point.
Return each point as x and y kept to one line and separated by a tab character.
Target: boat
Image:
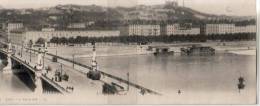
163	51
197	50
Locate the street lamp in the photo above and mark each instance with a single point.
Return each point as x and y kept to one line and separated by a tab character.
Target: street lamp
56	52
30	50
127	81
44	52
73	56
22	50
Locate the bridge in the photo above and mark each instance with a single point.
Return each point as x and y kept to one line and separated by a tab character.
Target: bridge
39	73
35	70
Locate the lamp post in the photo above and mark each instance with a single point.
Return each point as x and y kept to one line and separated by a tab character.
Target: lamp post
30	50
73	56
22	50
56	51
127	81
44	51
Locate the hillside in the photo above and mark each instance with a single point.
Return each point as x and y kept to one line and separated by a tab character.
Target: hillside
61	15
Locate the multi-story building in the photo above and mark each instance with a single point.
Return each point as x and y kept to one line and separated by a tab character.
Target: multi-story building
143	30
245	29
77	25
48	29
23	37
219	28
14	26
3	26
176	29
173	3
229	29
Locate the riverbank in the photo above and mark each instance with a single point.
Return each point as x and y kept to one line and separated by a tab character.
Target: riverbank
123	49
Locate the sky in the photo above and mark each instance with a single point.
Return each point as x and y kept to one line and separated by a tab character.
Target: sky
225	7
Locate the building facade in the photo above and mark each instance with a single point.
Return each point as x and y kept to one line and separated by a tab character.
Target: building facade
229	29
245	29
173	3
14	26
77	26
176	29
24	37
144	30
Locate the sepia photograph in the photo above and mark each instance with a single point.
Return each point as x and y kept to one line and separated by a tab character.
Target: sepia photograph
128	52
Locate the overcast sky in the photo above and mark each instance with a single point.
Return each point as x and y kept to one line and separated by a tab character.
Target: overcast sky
227	7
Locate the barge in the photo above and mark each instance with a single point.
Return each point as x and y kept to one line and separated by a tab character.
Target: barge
163	51
197	50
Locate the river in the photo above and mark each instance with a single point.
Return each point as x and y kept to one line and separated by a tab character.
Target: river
12	83
211	78
201	79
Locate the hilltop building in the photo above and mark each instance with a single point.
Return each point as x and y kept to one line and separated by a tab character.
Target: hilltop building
173	3
76	26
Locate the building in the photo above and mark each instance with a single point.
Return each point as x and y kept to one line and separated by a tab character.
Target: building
229	29
172	3
143	30
177	29
219	29
77	26
3	26
245	29
23	37
48	29
14	26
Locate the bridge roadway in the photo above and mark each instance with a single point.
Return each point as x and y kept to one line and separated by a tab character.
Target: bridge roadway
30	65
103	73
73	74
78	81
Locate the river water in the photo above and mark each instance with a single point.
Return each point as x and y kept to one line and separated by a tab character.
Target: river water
10	83
201	79
210	78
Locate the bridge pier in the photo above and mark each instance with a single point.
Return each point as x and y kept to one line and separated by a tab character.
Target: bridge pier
38	74
8	69
38	83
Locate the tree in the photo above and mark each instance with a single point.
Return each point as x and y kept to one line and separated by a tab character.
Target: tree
64	40
54	40
71	40
40	41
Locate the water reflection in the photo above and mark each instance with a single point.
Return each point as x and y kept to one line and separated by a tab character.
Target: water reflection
14	83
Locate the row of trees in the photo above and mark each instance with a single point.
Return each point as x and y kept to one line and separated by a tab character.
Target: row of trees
147	39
